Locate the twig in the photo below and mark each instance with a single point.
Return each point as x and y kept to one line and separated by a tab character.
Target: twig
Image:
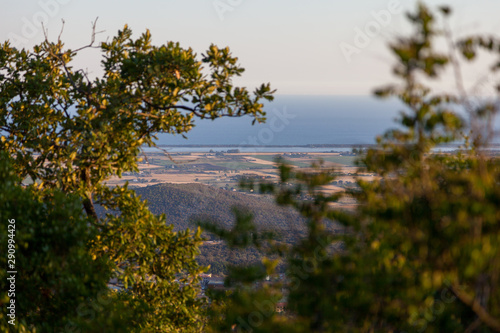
92	37
60	33
45	32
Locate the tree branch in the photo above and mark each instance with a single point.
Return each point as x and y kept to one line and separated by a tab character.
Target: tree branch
156	106
182	107
481	312
88	205
92	37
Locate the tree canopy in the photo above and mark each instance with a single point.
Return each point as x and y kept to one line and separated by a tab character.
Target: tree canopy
69	132
58	286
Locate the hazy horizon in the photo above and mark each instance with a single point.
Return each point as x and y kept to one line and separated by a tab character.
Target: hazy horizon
299	47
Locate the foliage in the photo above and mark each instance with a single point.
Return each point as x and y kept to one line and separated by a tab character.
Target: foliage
58	285
423	248
69	132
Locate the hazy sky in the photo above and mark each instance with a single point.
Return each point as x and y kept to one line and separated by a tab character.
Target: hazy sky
295	45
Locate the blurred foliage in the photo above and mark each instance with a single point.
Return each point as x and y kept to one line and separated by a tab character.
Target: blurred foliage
422	248
69	132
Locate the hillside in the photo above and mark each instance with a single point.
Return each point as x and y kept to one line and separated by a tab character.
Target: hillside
185	203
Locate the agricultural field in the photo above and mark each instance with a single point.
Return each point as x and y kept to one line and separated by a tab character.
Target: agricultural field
225	170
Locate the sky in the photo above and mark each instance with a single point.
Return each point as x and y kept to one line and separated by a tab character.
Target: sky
314	47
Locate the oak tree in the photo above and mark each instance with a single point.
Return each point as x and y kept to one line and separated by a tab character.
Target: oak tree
71	132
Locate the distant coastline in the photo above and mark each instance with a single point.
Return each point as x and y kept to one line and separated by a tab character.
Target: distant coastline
308	148
326	145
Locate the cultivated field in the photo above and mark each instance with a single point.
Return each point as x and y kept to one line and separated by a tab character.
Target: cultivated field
225	170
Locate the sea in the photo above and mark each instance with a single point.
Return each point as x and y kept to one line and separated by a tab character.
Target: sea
297	123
